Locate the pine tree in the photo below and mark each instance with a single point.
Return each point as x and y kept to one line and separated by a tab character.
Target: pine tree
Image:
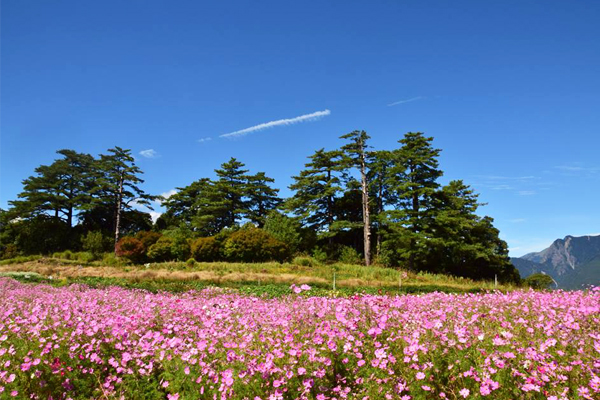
181	207
355	156
118	186
378	175
316	189
461	242
413	182
232	187
262	198
60	189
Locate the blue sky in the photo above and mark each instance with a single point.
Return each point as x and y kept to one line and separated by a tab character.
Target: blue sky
509	90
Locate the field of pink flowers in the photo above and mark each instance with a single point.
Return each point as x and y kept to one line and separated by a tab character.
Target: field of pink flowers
80	343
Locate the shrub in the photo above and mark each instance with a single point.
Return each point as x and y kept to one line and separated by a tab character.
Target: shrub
110	259
85	256
181	248
190	263
148	238
349	255
254	245
131	248
64	255
305	261
206	249
320	255
94	243
539	281
9	251
285	229
161	250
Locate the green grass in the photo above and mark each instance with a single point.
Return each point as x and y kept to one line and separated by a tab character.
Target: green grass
270	279
267	290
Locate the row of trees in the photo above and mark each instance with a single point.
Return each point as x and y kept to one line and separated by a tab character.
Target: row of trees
387	205
74	195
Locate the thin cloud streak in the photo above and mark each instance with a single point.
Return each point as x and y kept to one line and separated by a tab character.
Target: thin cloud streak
203	140
281	122
406	101
150	153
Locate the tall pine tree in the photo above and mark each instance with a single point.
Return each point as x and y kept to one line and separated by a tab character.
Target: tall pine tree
60	189
262	198
316	189
117	186
355	156
413	182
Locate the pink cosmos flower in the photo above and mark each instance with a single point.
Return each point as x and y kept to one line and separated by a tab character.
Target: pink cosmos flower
464	392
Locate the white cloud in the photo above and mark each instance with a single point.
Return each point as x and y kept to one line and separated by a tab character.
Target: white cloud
206	139
526	192
150	153
154	215
406	101
165	196
288	121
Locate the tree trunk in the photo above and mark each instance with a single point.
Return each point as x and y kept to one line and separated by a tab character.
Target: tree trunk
365	206
379	211
329	210
415	228
118	212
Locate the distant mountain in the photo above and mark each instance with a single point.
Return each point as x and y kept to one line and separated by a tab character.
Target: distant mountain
573	262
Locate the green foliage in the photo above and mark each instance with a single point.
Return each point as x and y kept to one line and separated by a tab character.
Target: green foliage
117	186
349	255
262	198
9	250
285	229
95	243
191	263
254	245
305	261
181	242
64	255
110	259
539	281
41	235
161	250
58	189
316	189
320	255
206	249
148	238
131	249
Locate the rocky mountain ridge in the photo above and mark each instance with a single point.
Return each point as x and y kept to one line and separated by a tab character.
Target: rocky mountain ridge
573	262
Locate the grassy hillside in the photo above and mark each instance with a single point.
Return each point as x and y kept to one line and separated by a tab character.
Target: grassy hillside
267	278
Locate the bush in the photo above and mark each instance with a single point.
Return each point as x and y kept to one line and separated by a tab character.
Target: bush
85	256
305	261
349	255
206	249
110	259
148	238
132	249
285	229
181	248
64	255
255	245
9	251
94	243
190	263
161	250
539	281
320	255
